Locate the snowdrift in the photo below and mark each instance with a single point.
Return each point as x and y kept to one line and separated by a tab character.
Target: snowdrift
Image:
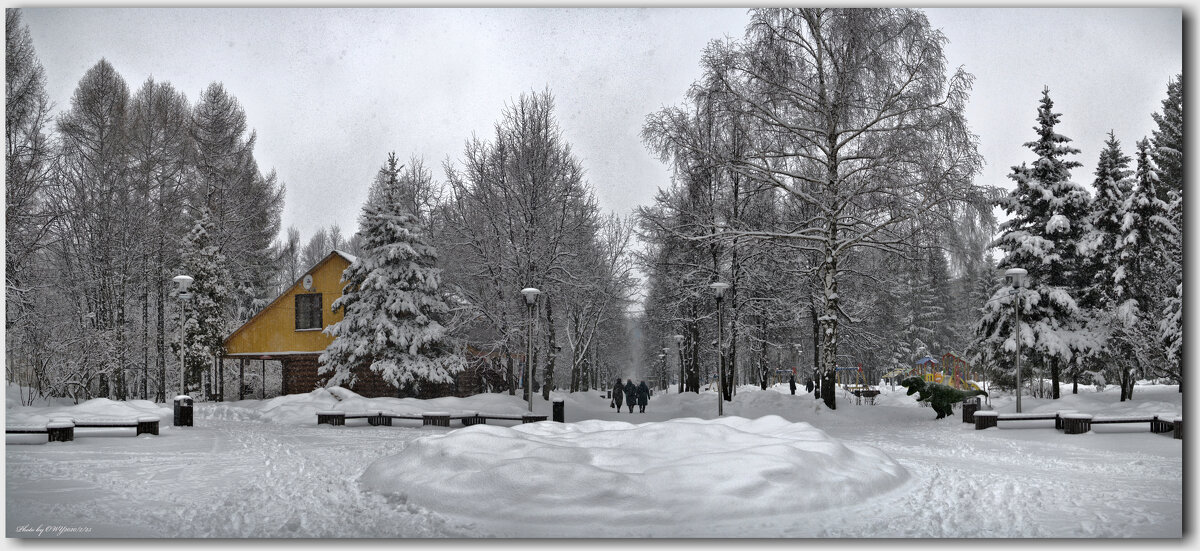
562	480
301	409
97	408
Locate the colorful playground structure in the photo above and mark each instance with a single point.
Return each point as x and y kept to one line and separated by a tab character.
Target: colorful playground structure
951	371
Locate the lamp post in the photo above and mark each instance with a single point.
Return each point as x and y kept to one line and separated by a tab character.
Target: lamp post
718	288
531	296
679	346
184	282
1015	278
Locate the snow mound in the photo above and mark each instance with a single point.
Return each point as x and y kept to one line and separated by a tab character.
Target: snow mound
301	409
98	409
562	478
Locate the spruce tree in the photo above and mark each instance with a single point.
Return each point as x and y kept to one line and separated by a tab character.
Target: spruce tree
391	303
204	316
1048	215
1141	283
1168	159
1112	186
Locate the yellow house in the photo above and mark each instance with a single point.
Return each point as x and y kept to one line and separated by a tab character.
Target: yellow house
291	330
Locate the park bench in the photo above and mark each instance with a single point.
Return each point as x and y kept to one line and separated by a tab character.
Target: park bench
431	418
1081	423
1071	422
142	425
868	394
63	430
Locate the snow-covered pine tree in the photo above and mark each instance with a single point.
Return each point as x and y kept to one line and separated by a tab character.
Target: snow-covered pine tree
205	316
1048	215
1100	249
391	303
1112	186
1168	160
1140	284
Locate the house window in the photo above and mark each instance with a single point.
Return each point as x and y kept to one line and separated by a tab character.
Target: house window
308	311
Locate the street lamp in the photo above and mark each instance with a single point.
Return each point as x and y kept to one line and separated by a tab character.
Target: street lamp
184	282
531	296
1015	278
718	288
679	346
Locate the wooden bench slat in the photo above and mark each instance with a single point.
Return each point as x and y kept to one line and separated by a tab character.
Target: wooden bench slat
1027	416
1104	420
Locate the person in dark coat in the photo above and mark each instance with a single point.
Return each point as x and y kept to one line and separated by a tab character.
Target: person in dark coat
630	394
808	385
618	392
643	396
792	383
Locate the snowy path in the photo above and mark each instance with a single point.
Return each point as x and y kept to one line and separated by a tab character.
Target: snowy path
233	479
990	487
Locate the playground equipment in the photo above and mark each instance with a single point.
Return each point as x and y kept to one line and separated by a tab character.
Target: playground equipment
961	374
853	381
952	371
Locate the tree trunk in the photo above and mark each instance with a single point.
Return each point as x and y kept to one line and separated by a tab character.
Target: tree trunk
693	359
829	320
508	371
1055	374
816	342
762	358
829	389
551	355
160	336
576	357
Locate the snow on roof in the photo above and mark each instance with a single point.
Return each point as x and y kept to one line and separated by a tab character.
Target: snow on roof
346	255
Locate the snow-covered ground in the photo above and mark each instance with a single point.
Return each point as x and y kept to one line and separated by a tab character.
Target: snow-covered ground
776	465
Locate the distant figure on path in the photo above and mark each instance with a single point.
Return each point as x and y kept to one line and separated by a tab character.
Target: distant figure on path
643	396
630	394
792	383
618	391
808	385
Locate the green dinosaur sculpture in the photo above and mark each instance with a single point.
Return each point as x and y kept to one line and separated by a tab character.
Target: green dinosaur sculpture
940	396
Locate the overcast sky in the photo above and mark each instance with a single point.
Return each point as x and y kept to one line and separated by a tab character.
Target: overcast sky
331	92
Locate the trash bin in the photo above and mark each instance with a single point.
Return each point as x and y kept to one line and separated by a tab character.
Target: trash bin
183	411
559	410
969	407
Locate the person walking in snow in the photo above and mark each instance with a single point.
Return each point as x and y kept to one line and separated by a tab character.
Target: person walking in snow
792	383
808	385
643	396
630	394
617	392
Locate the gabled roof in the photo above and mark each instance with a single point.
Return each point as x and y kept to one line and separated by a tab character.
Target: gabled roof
349	257
345	256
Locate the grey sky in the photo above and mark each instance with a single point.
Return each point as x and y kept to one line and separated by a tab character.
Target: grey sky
330	92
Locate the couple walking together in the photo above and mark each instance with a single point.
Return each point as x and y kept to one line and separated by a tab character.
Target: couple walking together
639	394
